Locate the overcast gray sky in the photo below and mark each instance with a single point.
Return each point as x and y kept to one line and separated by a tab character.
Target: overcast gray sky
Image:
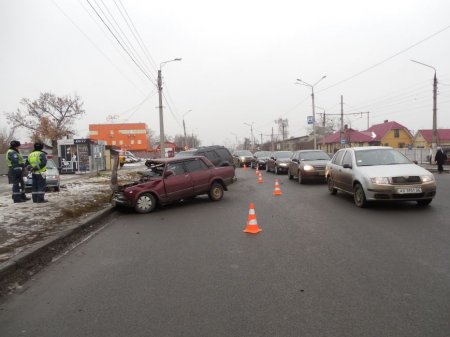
240	61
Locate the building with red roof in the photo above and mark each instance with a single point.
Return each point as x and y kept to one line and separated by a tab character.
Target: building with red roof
351	138
391	133
424	137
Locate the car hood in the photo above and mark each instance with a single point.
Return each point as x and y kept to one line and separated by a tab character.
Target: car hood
283	160
315	162
393	170
262	158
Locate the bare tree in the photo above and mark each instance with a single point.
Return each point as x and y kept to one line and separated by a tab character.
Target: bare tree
6	136
48	118
283	125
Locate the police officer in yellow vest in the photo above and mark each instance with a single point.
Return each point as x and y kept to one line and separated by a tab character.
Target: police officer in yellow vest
16	165
38	161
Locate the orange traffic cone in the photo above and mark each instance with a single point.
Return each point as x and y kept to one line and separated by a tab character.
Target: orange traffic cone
252	224
257	170
245	167
277	190
260	179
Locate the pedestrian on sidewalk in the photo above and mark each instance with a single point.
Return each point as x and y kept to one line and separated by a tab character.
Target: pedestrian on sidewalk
38	162
16	166
440	158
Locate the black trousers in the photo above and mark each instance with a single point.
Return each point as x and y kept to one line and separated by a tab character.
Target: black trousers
440	167
16	179
38	188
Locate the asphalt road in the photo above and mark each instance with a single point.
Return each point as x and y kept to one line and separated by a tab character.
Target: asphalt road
320	267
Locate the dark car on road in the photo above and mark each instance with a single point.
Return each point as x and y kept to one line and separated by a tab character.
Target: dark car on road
172	179
242	157
278	161
306	165
217	154
260	159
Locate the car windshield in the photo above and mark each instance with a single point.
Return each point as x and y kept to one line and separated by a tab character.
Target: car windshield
243	153
314	155
283	154
185	154
50	164
260	154
380	157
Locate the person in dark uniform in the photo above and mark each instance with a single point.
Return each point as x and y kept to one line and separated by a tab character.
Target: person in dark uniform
38	161
16	165
440	158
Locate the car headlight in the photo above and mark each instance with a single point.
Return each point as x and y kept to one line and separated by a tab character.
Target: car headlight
427	179
380	180
282	164
308	168
242	158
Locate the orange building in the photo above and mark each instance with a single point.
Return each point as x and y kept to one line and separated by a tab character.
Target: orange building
129	136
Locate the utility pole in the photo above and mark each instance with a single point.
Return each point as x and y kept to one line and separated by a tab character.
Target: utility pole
271	138
434	134
161	116
342	119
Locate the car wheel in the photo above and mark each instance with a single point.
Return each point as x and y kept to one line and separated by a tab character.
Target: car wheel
423	202
145	203
331	187
300	178
359	197
56	189
215	192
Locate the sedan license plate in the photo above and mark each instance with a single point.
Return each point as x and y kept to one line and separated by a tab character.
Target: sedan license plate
408	190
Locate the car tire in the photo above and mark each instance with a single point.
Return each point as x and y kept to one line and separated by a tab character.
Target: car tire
331	187
146	203
424	202
301	181
359	197
56	189
215	192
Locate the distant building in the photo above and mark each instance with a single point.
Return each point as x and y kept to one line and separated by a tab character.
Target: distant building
129	136
350	137
423	138
390	133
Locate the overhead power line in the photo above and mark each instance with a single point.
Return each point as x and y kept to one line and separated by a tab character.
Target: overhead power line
96	46
385	60
118	41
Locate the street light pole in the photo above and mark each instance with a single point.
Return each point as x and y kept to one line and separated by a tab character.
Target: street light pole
184	128
161	116
313	105
434	134
252	139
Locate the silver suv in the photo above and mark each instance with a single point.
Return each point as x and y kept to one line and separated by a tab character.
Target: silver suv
379	173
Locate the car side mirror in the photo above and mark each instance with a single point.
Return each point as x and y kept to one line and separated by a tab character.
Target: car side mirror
168	174
415	162
349	166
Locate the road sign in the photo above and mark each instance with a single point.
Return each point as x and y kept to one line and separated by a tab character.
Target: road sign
342	141
310	120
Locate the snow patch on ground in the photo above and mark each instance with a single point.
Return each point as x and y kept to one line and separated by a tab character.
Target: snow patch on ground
23	224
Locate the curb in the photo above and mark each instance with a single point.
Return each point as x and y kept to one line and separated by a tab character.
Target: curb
25	264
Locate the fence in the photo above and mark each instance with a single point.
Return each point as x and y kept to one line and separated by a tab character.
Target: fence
421	156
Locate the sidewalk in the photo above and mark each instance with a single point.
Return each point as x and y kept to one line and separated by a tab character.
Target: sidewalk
25	224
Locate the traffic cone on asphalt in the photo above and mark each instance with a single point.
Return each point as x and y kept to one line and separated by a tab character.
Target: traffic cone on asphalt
260	179
277	190
257	170
245	167
252	224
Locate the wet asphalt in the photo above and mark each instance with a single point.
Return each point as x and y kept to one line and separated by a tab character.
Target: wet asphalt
320	267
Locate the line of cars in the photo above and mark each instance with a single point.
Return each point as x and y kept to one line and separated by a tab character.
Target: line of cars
374	173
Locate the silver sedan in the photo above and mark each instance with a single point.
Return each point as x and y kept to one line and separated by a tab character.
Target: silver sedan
379	173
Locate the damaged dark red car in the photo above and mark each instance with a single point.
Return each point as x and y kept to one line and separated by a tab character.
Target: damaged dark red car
171	179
